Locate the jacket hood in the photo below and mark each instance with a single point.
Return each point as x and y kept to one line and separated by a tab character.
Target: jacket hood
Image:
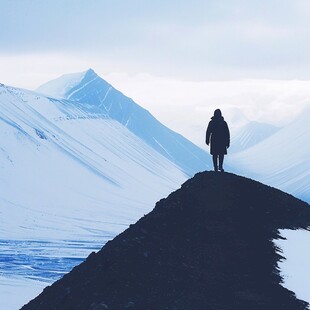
217	118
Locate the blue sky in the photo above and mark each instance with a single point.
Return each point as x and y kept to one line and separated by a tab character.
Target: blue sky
191	40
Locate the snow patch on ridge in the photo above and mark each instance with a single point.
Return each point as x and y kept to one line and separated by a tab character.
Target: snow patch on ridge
295	268
59	87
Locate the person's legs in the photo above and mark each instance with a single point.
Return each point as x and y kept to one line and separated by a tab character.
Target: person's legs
214	157
221	160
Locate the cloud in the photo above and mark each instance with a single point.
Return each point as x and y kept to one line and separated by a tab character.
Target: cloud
201	39
186	106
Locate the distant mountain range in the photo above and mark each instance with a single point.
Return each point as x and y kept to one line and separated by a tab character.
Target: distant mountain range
250	134
281	160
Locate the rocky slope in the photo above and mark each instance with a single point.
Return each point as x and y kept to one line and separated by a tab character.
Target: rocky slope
207	245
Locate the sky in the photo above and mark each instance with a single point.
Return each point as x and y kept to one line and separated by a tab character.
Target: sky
194	41
197	55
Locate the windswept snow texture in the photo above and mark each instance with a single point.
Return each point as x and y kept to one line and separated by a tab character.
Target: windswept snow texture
62	161
68	172
94	91
282	160
28	266
250	134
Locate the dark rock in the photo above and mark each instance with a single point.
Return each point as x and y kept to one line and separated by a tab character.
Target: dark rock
207	246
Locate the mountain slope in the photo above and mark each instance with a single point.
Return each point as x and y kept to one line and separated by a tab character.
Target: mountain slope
251	134
71	178
63	166
208	245
92	90
282	160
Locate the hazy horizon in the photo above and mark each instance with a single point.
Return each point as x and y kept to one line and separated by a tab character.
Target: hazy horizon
197	41
186	106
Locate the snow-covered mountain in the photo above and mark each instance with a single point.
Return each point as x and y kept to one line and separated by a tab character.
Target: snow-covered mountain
250	134
282	160
71	172
90	90
62	166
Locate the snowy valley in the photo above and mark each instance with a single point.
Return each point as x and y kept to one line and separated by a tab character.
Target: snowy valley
73	176
80	161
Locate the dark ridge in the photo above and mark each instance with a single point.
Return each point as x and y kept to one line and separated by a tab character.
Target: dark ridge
207	246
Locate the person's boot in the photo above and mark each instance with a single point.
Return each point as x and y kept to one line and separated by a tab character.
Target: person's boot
221	160
214	159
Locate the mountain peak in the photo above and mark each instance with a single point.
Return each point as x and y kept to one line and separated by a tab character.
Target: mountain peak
87	89
62	86
91	71
207	245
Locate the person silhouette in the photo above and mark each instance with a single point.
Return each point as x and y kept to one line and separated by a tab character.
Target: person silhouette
218	137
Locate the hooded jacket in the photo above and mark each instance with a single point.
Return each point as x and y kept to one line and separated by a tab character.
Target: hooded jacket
218	135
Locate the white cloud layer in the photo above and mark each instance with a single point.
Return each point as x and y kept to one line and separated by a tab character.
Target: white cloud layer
196	40
186	106
177	55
